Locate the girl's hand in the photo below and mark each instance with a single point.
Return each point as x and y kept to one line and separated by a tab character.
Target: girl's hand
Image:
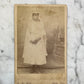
35	41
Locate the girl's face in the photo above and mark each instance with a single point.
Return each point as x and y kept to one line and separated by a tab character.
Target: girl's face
35	16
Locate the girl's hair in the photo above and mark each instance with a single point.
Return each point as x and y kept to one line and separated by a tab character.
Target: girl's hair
35	14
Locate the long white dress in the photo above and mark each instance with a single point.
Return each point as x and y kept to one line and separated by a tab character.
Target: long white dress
35	54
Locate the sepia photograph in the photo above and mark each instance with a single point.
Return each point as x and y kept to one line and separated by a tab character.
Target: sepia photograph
40	42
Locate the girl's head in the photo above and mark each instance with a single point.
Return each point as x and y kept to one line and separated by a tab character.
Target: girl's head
35	16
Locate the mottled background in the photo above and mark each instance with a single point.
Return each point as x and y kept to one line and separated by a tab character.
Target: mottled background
75	39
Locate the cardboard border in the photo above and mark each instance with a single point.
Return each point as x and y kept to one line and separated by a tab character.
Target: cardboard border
34	76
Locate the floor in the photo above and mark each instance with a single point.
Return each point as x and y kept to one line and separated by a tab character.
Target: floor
40	70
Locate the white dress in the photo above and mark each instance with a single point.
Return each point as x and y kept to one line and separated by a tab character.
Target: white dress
35	54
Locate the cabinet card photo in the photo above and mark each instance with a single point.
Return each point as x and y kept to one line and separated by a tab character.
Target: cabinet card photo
40	44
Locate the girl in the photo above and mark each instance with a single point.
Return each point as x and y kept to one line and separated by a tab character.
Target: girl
35	43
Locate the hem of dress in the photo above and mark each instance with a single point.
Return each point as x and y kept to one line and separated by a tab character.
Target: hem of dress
34	63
